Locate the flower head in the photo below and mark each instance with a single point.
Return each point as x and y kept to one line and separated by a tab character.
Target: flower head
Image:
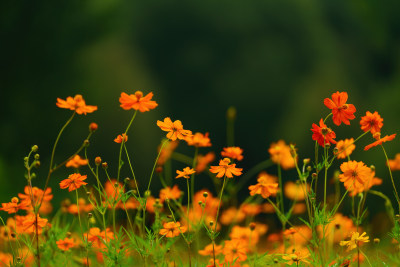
77	103
345	148
232	152
76	162
198	140
355	175
355	241
137	101
296	191
121	138
208	250
322	134
14	206
66	243
379	140
394	164
203	161
224	169
280	154
266	186
185	173
175	129
170	193
172	229
341	111
371	122
29	223
235	250
73	182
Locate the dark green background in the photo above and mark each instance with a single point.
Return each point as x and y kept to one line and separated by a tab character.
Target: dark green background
275	61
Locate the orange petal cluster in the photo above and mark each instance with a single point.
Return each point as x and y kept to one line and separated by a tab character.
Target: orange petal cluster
345	148
226	169
73	182
137	101
372	122
233	152
172	229
266	186
77	103
185	173
76	162
322	134
341	112
175	129
280	154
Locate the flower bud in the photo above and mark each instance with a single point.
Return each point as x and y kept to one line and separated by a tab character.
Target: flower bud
37	156
306	161
97	161
33	175
86	143
14	200
335	150
159	169
90	215
211	223
205	194
93	127
377	240
309	168
127	180
104	165
372	167
35	148
147	193
252	226
37	164
327	145
200	202
314	175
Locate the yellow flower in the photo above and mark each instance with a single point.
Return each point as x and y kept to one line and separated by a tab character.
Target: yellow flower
355	240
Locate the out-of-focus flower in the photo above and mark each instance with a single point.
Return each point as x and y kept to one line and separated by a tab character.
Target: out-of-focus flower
296	191
394	164
233	152
76	162
345	148
66	243
355	175
198	140
280	154
355	241
267	186
235	250
172	229
203	161
170	193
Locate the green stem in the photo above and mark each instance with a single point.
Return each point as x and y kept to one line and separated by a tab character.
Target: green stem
122	144
219	203
133	174
391	177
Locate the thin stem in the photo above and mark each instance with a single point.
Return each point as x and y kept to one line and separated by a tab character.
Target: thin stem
133	174
123	143
219	203
391	177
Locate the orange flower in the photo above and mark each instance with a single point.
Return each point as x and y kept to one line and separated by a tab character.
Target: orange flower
245	234
233	152
224	169
99	238
371	121
235	249
38	195
170	193
296	257
232	215
208	250
266	186
251	209
380	140
29	223
198	140
77	103
185	173
121	138
113	189
355	175
345	148
338	228
355	241
372	180
175	129
66	243
322	134
341	111
295	191
165	154
394	164
73	182
13	206
76	162
172	229
203	161
280	154
137	101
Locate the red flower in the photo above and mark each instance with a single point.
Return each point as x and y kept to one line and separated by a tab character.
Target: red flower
322	133
73	182
341	111
380	140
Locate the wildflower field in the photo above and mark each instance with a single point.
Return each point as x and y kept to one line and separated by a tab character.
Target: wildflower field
113	220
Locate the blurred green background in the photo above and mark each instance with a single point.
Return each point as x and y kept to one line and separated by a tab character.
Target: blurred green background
275	61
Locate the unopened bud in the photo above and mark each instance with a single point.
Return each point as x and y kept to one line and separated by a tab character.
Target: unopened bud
327	145
35	148
127	180
88	193
252	226
309	168
306	161
37	156
159	169
86	143
372	167
200	202
33	175
314	175
276	260
211	223
90	215
231	113
147	193
104	165
205	194
377	240
37	164
14	200
26	159
97	161
93	127
335	150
